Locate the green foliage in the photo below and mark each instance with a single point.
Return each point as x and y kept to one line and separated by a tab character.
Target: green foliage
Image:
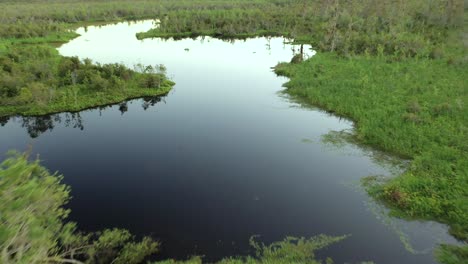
31	211
449	254
33	228
36	80
403	29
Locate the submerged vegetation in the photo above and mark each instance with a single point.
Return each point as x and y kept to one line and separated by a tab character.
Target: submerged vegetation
397	68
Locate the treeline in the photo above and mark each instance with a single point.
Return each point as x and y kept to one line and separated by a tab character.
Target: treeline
403	28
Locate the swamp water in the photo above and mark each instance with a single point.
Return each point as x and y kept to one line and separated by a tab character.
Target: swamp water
222	157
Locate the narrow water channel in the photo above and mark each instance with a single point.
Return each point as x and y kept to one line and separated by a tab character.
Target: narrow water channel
222	157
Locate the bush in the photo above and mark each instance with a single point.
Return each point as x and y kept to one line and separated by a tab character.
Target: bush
10	85
68	65
6	65
151	80
25	96
97	83
40	93
41	71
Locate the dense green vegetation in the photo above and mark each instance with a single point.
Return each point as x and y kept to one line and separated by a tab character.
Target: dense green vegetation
405	28
397	68
36	80
33	227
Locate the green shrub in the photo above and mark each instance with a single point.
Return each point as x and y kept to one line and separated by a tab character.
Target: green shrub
97	83
40	93
10	85
151	80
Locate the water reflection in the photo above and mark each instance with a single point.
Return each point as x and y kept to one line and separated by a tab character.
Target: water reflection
306	51
151	101
37	125
4	120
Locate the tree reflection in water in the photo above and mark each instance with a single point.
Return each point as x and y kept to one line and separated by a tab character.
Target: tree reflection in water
151	101
37	125
4	120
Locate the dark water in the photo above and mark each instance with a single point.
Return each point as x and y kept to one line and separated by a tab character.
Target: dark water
223	157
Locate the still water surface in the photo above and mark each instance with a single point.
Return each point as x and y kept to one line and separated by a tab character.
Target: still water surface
222	157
